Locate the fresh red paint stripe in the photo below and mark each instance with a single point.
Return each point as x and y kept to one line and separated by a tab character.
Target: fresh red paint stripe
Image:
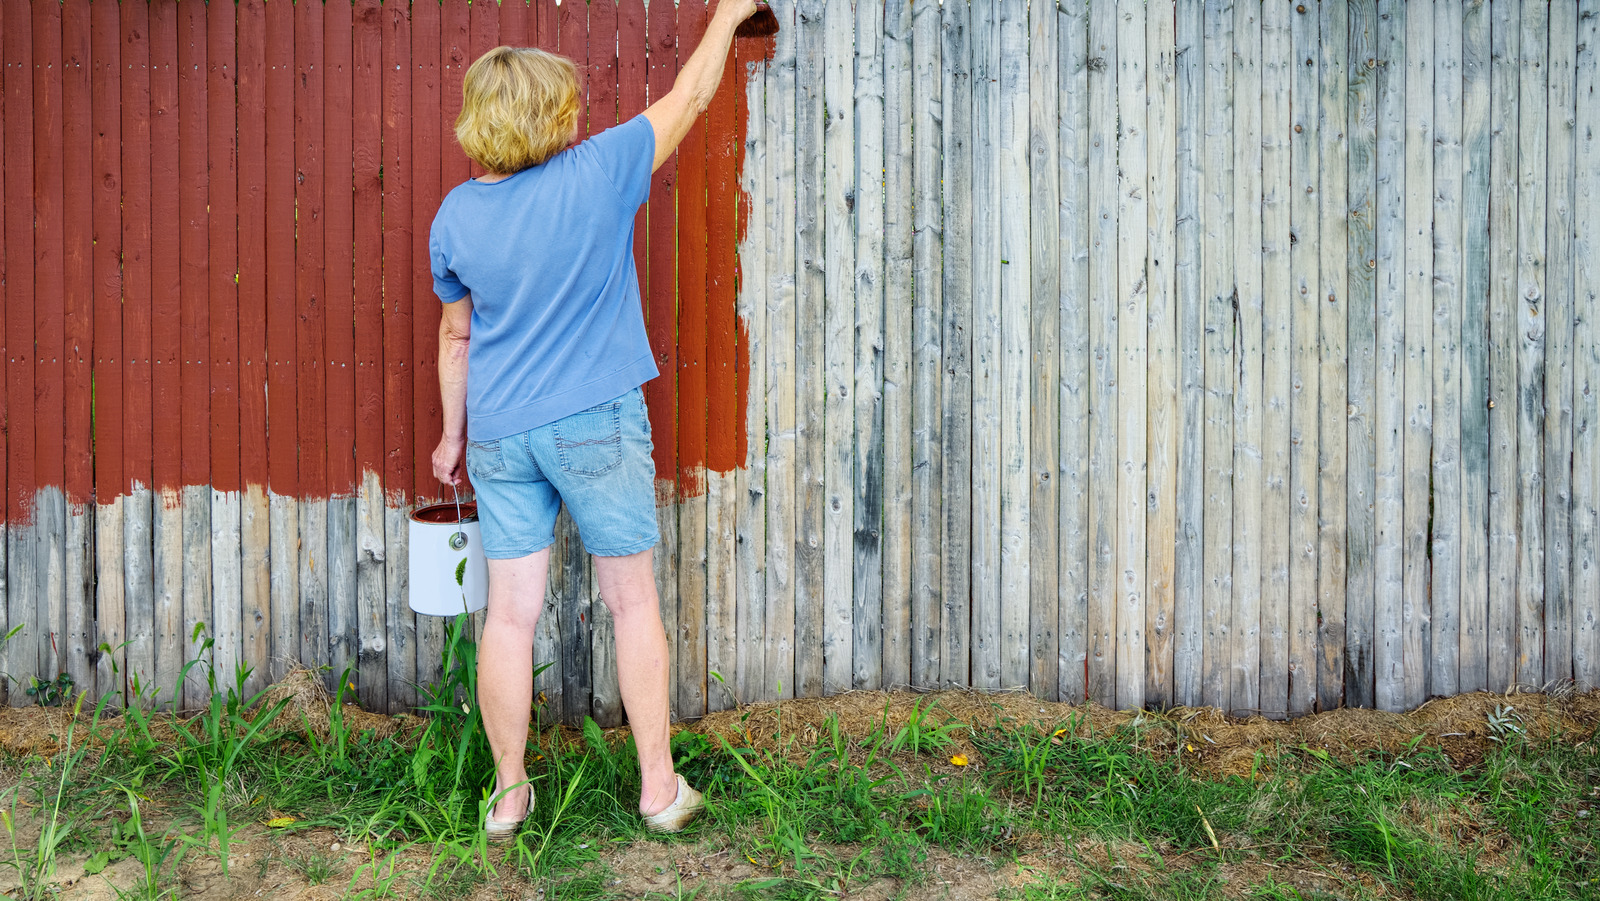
692	281
106	151
136	241
339	235
661	393
723	417
310	232
194	175
366	158
397	231
282	425
222	245
166	309
252	215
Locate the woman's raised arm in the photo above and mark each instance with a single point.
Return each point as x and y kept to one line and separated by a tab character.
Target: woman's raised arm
673	115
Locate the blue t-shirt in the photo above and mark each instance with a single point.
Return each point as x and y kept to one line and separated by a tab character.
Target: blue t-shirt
547	254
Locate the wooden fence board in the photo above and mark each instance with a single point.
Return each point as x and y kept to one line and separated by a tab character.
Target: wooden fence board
1586	356
1188	587
1532	183
309	327
1389	354
110	588
1306	463
7	224
397	338
255	541
839	350
1559	314
782	328
77	348
987	652
343	549
1131	340
955	389
1282	446
281	433
1445	540
1103	312
1044	357
1501	631
897	348
867	642
1474	615
45	350
1417	283
927	465
750	479
1219	295
661	316
1360	437
1072	631
1015	323
1333	243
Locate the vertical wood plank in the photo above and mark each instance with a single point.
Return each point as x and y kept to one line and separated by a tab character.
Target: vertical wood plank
1188	617
1389	354
343	551
1044	365
1445	541
366	161
1131	341
1360	438
782	326
6	49
1474	585
1559	314
397	350
166	349
1015	321
867	619
77	640
722	388
441	39
1249	398
1218	291
1333	243
222	247
988	655
45	349
955	389
1161	389
839	346
1501	633
22	652
110	368
927	472
255	541
693	314
1586	353
750	479
310	324
1417	349
1277	356
897	347
194	343
1072	79
1532	313
1306	463
281	431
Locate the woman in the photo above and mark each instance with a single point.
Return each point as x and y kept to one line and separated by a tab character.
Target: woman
542	350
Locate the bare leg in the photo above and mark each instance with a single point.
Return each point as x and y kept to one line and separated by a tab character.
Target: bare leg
628	588
505	671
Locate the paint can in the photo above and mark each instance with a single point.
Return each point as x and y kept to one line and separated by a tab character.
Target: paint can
449	573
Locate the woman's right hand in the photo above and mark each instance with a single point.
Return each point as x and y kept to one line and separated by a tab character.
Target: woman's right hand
736	10
450	460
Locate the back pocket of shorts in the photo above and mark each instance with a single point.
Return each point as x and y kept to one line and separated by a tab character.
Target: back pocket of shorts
590	443
484	458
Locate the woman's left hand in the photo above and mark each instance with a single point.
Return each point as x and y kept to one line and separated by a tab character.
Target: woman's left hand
450	459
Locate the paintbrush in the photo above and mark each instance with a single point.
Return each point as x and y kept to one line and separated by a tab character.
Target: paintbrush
762	23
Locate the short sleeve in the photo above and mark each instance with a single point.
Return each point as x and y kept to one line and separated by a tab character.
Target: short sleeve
624	153
445	282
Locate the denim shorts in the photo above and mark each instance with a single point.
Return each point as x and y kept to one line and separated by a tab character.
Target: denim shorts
597	461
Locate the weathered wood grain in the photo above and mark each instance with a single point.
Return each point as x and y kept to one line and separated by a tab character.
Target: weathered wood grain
1475	129
1586	356
1044	365
750	479
1133	302
1015	482
927	464
1417	347
1532	314
1279	372
1218	290
1559	310
898	299
1249	396
955	412
782	328
839	346
1500	638
988	656
1305	410
1188	590
867	642
1444	663
1103	311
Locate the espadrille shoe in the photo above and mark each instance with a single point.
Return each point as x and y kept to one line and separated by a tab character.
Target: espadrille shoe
503	830
677	815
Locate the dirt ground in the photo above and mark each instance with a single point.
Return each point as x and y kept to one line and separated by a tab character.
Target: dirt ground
319	865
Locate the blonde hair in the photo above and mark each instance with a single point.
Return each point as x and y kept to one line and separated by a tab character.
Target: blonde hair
518	108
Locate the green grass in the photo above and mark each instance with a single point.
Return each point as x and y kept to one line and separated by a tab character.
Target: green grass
1079	815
